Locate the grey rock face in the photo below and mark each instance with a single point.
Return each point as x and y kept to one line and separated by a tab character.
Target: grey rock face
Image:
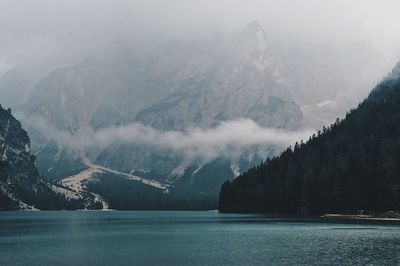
15	150
17	167
21	186
142	160
244	81
171	88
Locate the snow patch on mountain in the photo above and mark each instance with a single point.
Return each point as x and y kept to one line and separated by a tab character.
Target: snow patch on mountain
76	182
69	194
99	168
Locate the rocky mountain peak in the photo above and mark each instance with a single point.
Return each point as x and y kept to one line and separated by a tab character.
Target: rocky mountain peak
253	27
255	37
252	49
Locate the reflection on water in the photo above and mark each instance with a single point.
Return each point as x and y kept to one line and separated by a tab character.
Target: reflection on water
188	238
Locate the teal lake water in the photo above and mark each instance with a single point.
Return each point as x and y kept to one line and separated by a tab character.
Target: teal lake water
188	238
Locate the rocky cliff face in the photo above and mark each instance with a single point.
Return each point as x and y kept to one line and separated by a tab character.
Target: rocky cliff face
244	81
21	186
176	86
18	171
180	85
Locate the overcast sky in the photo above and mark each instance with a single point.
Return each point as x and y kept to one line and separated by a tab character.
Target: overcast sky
56	33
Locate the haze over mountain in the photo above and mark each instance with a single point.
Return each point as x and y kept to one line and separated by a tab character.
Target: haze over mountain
228	84
350	166
182	103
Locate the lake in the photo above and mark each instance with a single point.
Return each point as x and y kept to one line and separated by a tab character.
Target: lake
188	238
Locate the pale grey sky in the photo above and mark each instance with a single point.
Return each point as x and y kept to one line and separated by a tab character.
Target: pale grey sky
48	32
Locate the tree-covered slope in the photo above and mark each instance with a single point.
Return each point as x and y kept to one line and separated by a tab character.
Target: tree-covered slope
352	165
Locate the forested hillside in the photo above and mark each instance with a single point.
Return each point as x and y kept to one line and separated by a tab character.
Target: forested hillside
352	165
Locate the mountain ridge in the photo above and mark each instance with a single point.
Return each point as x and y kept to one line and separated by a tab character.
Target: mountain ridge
350	166
21	186
175	87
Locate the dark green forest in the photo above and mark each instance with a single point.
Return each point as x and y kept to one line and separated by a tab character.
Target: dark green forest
352	165
124	194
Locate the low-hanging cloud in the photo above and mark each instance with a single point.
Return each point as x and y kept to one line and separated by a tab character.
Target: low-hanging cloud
227	139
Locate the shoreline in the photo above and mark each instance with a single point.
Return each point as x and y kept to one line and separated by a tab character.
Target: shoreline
361	219
325	218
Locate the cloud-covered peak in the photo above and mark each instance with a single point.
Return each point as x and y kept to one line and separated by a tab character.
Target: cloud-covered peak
254	34
253	27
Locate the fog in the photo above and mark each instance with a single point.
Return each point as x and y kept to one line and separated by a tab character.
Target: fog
42	35
229	139
48	34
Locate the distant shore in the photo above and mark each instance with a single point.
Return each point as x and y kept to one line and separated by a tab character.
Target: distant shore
361	218
382	218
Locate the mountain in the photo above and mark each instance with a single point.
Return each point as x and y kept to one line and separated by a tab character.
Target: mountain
21	186
350	166
244	80
174	87
171	88
93	94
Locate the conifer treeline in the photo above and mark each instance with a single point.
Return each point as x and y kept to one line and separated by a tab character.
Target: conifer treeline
352	165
